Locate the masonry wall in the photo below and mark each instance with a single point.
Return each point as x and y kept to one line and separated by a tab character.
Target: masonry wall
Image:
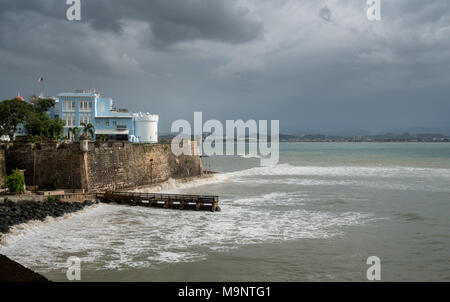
48	166
2	166
123	165
105	166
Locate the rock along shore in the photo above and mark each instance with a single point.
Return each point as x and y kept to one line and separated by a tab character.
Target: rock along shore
13	213
11	271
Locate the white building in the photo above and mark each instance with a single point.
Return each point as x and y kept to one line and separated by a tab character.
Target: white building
146	127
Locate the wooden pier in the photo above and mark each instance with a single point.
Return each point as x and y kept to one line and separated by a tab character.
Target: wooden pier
166	201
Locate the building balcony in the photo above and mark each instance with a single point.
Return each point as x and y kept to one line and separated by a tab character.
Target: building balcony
112	131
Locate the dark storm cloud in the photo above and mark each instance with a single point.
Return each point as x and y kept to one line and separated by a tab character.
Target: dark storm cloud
179	20
170	21
100	43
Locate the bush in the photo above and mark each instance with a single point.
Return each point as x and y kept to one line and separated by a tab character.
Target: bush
54	198
15	182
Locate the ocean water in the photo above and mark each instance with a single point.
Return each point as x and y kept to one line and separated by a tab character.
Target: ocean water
316	216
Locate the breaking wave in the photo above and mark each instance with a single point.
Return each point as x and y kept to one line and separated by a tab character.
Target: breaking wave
360	171
24	228
120	237
375	177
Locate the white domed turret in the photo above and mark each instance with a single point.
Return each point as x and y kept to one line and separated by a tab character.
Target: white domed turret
146	127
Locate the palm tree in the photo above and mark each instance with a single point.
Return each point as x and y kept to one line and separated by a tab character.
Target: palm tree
88	130
75	133
102	137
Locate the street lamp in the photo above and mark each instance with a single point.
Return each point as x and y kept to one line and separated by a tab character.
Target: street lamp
151	171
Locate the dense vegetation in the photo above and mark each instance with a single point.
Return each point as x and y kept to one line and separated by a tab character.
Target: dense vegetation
33	116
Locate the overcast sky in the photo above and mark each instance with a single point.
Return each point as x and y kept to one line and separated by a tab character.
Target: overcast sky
315	65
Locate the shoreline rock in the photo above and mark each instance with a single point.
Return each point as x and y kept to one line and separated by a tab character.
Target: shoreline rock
18	212
11	271
14	213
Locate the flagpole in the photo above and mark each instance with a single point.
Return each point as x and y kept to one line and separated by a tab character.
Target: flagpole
41	81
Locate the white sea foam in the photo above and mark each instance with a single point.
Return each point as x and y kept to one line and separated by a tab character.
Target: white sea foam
375	177
117	237
250	156
174	257
338	175
360	171
23	228
277	198
398	178
392	183
174	185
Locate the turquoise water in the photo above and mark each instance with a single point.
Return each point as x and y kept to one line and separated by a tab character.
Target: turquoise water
435	155
316	216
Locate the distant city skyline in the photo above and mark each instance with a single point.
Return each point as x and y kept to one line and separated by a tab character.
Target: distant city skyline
317	66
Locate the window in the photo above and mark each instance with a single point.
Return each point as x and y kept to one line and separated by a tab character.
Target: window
107	123
69	119
97	123
114	123
68	106
85	106
85	118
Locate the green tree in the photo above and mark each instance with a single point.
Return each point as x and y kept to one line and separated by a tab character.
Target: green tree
41	104
41	125
75	131
13	113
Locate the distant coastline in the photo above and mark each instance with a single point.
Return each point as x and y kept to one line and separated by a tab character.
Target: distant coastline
324	138
384	138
